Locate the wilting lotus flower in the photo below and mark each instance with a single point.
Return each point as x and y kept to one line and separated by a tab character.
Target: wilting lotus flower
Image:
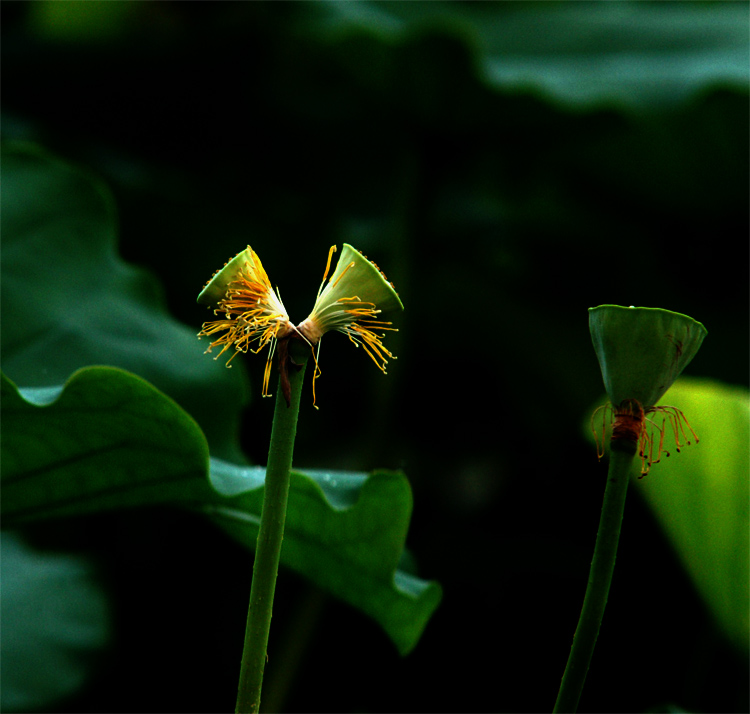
351	302
253	312
641	353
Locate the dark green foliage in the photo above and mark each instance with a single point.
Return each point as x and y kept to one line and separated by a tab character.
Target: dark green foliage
109	440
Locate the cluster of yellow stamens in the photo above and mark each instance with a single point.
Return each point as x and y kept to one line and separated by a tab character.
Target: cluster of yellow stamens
253	313
631	422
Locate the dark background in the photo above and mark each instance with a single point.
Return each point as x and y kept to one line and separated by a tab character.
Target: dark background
500	214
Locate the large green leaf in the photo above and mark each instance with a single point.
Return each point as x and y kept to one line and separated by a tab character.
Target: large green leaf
345	531
69	301
631	53
108	439
701	498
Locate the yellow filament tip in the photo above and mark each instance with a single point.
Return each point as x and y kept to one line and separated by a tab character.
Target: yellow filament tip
328	267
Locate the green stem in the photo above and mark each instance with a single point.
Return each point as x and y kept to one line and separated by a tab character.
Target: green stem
600	577
268	549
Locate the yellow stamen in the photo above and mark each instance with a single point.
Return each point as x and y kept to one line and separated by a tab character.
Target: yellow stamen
346	270
325	274
254	317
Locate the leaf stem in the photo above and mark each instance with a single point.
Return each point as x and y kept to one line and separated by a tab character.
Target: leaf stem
600	577
268	549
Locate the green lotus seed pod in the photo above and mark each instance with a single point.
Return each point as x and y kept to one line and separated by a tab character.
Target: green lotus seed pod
216	288
356	275
352	300
642	350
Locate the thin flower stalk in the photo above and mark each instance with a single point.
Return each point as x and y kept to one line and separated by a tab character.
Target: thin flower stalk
268	549
641	352
254	318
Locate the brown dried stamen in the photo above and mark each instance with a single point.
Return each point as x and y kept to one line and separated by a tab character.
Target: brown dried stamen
628	423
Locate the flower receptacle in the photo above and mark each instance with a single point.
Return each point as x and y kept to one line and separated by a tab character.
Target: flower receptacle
357	290
641	353
363	279
352	301
216	288
642	350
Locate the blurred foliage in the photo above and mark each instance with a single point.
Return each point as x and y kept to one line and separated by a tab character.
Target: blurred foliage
508	165
702	500
55	618
60	231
